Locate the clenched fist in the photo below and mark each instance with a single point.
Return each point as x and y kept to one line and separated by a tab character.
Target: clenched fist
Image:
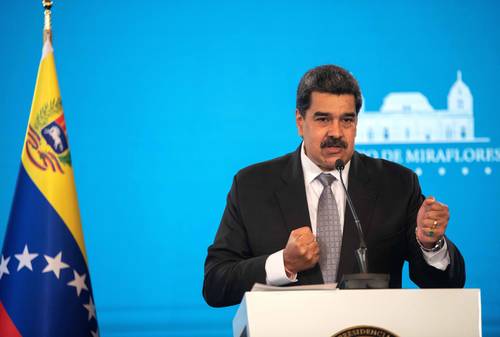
432	220
301	251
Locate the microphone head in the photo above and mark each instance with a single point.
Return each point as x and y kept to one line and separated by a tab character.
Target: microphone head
339	164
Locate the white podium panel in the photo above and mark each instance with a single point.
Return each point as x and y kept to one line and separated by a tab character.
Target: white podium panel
403	312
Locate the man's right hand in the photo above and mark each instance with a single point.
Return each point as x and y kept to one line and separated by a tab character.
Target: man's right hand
301	251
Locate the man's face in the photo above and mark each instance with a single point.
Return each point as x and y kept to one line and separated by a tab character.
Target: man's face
328	128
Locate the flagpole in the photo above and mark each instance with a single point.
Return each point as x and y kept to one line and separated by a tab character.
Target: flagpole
47	26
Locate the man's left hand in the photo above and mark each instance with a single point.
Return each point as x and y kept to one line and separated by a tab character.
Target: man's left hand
432	220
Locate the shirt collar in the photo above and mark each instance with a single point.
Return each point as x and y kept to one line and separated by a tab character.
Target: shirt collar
311	170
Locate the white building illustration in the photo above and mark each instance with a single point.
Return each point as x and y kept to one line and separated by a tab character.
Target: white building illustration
408	117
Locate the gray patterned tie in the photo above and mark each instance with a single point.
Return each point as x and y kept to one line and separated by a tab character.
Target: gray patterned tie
328	233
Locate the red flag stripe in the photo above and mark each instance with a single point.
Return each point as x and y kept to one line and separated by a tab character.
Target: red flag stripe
7	327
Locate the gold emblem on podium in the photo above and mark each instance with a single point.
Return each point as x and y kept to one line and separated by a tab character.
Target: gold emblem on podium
364	331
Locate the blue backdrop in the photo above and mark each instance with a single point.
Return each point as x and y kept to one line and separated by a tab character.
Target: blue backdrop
163	98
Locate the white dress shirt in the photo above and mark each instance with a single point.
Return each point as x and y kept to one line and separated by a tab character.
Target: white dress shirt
275	267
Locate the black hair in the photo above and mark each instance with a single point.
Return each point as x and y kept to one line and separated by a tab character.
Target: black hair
327	79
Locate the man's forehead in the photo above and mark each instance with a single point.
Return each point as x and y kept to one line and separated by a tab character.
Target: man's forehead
329	104
327	99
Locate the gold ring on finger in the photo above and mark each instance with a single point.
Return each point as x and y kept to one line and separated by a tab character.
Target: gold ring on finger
435	225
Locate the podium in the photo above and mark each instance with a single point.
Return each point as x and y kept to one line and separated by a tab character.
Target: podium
343	313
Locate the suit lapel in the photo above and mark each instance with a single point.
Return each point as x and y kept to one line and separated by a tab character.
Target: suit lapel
363	194
293	203
292	197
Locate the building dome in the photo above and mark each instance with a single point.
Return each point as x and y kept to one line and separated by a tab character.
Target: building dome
406	102
459	97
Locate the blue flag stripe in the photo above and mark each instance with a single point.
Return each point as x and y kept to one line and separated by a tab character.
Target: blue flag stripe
40	304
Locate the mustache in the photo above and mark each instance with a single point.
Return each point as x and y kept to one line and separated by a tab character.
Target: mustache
333	142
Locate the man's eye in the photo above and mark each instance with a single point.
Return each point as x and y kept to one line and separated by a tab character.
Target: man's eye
322	119
348	120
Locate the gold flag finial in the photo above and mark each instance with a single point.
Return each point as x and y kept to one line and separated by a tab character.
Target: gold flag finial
47	27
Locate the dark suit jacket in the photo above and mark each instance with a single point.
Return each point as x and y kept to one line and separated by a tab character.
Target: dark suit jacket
268	200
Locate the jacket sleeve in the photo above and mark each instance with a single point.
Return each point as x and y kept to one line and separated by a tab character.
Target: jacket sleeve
424	275
231	269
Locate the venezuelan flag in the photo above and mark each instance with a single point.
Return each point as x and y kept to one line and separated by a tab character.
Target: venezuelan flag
45	287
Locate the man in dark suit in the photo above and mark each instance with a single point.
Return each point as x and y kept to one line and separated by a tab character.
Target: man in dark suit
273	227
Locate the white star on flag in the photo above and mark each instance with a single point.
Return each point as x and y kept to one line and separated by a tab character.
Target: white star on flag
78	282
90	308
3	266
25	259
54	264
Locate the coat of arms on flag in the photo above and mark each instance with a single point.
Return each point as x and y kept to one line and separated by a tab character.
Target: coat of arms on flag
45	287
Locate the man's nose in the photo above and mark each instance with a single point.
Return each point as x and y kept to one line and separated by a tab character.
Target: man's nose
334	129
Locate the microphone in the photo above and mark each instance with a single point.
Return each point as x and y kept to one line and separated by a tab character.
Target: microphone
362	280
361	251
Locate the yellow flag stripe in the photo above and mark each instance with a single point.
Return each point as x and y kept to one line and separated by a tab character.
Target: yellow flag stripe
53	178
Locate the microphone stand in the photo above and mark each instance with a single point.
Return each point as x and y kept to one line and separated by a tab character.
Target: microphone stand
364	279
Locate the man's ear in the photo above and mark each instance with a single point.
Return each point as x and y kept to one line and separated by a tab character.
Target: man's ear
299	120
